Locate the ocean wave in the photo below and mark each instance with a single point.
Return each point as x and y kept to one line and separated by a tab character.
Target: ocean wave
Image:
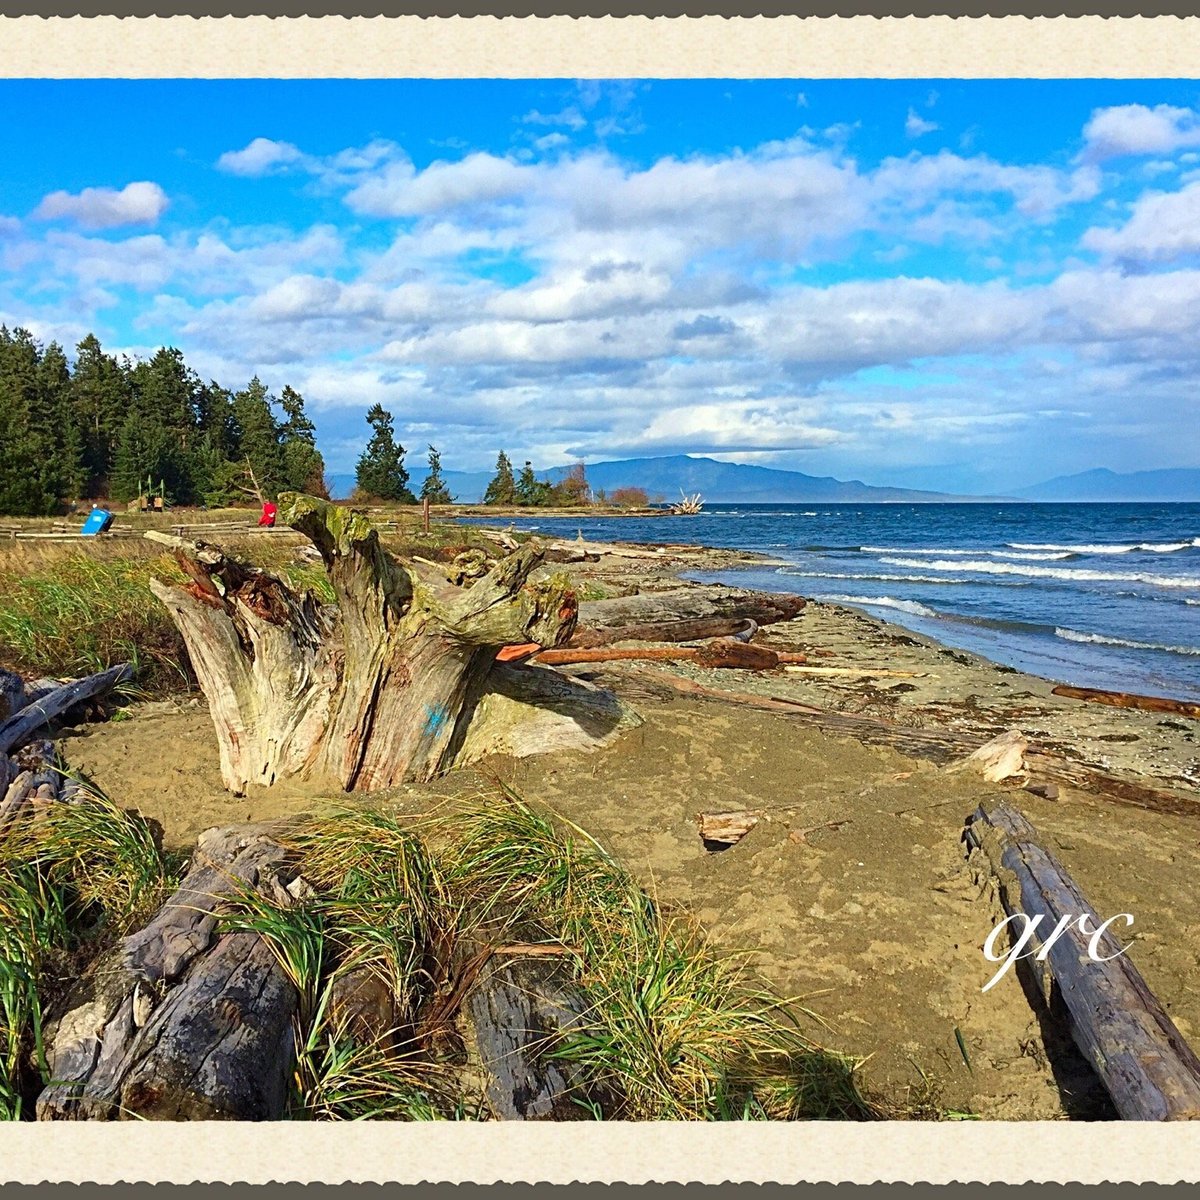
873	578
1111	547
1078	574
1038	557
1100	639
908	606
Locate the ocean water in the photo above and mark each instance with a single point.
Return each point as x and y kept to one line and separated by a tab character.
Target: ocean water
1099	595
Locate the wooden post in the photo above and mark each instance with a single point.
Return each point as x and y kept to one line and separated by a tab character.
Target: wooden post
425	514
1149	1070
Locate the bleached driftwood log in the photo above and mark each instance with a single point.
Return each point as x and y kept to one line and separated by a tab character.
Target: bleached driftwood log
612	620
183	1021
42	708
375	690
1119	1025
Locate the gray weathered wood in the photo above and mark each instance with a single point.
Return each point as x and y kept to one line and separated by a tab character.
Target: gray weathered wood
367	693
183	1021
517	1014
530	710
1143	1060
20	727
12	694
685	630
687	603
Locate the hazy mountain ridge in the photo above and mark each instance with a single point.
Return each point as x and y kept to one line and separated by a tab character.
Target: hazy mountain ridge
665	477
1171	485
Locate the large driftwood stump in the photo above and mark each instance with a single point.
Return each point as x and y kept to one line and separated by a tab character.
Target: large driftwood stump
372	691
183	1021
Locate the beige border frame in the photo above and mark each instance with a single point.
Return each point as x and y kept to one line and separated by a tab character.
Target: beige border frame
544	47
987	1152
1162	47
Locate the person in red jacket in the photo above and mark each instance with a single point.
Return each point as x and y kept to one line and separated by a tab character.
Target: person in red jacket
268	515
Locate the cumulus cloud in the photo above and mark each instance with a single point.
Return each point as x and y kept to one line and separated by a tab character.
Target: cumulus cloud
1134	129
260	157
1162	227
105	208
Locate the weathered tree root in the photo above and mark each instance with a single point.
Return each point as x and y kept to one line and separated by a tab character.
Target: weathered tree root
376	690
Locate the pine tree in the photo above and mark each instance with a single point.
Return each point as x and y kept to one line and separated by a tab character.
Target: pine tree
434	488
258	438
503	488
147	455
380	473
530	489
55	419
100	397
28	473
303	466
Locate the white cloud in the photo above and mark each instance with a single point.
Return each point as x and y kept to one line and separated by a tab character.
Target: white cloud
1163	226
105	208
260	157
9	226
1132	129
916	126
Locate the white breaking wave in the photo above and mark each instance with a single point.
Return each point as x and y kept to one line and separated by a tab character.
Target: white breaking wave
1041	557
1111	547
1075	573
873	578
908	606
1072	635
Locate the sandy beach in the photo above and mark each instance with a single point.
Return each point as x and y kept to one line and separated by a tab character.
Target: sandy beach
853	890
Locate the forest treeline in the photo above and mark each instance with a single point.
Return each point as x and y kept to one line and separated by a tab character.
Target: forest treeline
113	427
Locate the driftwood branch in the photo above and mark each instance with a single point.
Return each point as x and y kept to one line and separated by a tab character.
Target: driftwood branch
1182	708
22	725
1149	1070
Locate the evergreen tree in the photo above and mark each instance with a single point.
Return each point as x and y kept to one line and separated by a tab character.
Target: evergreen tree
147	455
380	472
530	489
55	419
503	488
100	397
28	472
258	441
303	466
434	488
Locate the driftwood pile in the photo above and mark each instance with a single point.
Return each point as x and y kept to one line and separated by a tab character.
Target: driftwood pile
29	771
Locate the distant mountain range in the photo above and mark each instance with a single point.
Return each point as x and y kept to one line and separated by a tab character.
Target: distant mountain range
1168	485
664	478
735	483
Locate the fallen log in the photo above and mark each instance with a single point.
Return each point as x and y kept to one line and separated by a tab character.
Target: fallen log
1181	708
684	630
603	617
1150	1071
12	694
183	1021
725	653
376	690
20	727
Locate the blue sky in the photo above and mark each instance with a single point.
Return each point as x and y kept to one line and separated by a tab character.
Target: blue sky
949	284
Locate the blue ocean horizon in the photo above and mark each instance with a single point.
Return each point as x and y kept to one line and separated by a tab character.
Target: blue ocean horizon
1096	595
